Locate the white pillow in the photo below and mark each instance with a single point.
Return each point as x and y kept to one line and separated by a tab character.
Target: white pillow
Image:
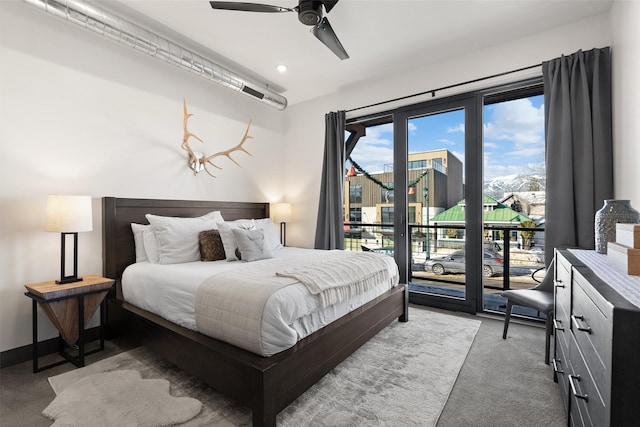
228	239
145	243
151	245
251	244
138	239
177	238
271	234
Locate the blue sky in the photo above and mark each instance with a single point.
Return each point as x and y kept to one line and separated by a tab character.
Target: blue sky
513	138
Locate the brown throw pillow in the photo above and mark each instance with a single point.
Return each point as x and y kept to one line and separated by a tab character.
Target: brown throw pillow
211	248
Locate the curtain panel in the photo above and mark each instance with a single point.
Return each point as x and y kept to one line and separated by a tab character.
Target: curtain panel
330	225
579	146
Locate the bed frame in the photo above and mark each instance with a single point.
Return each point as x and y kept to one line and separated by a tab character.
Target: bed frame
265	384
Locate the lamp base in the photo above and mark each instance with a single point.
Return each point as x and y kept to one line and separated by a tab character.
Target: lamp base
283	233
69	279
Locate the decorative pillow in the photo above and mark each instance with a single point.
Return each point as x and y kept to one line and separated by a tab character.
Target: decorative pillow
228	238
177	238
211	248
251	244
271	234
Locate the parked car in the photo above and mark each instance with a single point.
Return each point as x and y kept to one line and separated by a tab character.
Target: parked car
493	264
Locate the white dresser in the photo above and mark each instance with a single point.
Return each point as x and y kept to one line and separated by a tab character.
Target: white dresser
597	340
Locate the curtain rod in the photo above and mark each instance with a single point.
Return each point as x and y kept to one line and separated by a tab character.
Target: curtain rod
433	91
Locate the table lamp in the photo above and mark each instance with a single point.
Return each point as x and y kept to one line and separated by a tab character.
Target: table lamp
282	213
68	215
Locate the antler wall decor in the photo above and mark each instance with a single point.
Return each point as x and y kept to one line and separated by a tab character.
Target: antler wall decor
197	160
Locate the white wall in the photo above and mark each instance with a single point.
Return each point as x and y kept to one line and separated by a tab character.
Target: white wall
305	123
84	115
625	53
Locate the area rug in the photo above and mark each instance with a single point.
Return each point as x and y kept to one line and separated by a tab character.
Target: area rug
402	376
119	398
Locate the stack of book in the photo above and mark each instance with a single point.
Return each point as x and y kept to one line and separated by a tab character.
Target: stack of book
625	251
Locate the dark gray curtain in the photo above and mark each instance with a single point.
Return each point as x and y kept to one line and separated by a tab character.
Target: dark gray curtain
579	153
330	229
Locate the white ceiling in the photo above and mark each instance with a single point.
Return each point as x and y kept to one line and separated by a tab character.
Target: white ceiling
382	37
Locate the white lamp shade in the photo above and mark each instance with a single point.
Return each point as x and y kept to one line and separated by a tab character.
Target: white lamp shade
68	214
282	212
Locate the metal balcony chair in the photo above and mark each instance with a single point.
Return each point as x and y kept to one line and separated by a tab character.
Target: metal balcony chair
539	298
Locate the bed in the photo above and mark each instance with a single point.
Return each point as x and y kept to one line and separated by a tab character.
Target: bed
265	384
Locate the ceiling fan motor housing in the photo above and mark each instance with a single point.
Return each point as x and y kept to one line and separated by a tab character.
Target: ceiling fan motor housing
310	12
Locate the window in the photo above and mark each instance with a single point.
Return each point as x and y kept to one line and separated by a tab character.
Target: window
412	215
355	215
355	193
387	214
459	163
417	164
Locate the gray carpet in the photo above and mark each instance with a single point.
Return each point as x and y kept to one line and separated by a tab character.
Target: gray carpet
505	383
403	376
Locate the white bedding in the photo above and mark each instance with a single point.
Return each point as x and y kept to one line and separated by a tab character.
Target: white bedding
290	314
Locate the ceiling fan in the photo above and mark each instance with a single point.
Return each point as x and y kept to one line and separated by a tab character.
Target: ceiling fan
309	13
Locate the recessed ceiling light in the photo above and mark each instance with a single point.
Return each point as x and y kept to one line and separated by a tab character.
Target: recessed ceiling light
282	68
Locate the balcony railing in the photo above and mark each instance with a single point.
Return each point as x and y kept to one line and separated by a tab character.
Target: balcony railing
523	258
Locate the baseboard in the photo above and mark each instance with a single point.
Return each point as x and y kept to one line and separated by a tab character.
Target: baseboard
50	346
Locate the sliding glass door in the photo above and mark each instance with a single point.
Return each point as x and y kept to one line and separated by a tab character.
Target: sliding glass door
514	176
426	185
436	152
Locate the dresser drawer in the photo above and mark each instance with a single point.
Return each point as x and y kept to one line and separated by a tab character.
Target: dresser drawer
561	369
587	403
562	285
591	324
561	325
562	289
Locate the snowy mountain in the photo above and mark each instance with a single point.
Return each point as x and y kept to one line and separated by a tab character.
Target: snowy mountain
497	187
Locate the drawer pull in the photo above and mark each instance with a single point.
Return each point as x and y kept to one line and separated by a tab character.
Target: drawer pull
555	366
578	326
558	284
573	388
556	325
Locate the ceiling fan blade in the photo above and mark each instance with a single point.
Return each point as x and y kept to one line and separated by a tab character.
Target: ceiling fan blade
248	7
325	34
329	4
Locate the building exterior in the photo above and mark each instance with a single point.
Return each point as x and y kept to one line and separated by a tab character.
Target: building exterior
436	183
496	217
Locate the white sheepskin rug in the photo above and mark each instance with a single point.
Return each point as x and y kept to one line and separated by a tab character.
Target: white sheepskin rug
120	398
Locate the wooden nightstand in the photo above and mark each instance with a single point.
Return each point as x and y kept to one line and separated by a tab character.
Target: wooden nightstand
69	307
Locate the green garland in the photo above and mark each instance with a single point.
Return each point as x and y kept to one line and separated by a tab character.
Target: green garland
377	181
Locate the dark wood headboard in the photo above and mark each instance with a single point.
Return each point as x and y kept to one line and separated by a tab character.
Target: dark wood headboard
118	214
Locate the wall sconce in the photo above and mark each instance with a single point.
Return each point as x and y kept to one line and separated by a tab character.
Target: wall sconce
282	213
68	215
